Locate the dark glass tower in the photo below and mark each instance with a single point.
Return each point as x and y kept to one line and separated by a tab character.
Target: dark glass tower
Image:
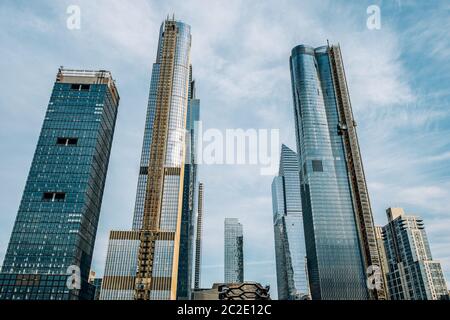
54	233
339	230
185	258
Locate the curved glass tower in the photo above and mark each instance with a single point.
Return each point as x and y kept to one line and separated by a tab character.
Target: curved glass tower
334	233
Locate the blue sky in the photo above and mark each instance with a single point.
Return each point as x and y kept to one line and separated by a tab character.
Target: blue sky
398	79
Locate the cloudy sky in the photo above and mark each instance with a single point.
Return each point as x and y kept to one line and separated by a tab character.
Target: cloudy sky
398	78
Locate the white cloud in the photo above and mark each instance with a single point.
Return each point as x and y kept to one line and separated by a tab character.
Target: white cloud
240	58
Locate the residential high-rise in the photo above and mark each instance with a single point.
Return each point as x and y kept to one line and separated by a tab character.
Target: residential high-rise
50	251
198	238
234	251
339	229
148	262
290	251
412	273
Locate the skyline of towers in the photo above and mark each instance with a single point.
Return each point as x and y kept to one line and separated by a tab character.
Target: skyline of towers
56	225
290	251
330	181
233	251
339	231
412	274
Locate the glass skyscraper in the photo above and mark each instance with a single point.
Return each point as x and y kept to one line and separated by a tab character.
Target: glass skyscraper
50	251
412	273
187	232
198	238
154	260
234	251
339	230
290	251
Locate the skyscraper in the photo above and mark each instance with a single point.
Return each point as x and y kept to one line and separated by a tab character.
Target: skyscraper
148	262
339	229
412	273
50	251
198	238
187	233
290	251
234	251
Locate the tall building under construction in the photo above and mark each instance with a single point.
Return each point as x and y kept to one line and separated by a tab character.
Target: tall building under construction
340	235
153	261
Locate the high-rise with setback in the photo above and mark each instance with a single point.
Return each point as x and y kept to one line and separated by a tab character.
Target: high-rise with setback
153	261
412	274
290	251
50	252
339	230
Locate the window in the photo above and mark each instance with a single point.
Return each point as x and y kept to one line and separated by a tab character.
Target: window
80	87
54	196
317	165
67	141
144	170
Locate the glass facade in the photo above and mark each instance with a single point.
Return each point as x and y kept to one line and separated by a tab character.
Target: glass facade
234	251
56	225
121	265
187	233
411	274
290	251
173	246
335	265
